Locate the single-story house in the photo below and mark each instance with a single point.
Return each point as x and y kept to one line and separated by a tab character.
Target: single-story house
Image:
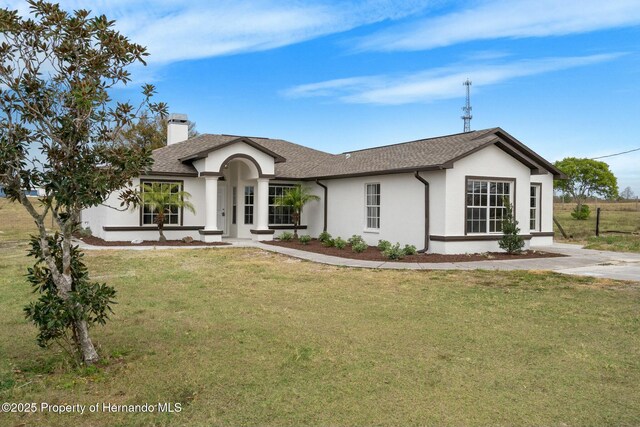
444	194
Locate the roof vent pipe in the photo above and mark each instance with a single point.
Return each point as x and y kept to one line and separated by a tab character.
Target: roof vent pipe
177	128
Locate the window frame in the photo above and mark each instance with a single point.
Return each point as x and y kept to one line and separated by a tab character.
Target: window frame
367	206
180	182
249	205
271	205
488	179
538	208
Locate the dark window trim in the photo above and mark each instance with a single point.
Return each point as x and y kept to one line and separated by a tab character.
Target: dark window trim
474	237
147	228
468	178
175	181
276	184
286	227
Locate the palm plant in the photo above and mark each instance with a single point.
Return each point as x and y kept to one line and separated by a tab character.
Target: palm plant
295	198
160	198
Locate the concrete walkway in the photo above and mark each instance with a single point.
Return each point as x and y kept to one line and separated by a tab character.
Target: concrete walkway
583	262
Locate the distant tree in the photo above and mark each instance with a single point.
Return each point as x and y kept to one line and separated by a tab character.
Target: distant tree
586	178
56	72
296	197
162	199
150	131
627	194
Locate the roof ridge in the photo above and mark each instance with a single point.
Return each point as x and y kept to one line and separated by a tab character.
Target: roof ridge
485	131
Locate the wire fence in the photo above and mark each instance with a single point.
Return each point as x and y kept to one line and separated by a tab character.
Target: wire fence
621	217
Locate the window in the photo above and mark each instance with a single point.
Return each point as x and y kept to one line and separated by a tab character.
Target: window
373	206
279	215
534	208
248	204
486	205
234	203
172	214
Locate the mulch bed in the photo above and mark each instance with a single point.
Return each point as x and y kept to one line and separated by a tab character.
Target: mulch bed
96	241
373	254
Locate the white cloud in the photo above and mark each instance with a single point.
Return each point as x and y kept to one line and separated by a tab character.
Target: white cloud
492	19
440	83
182	30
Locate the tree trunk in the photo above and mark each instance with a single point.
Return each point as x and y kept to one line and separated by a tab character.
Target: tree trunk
160	222
89	353
296	223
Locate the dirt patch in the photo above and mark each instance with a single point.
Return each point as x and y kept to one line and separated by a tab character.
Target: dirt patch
373	253
96	241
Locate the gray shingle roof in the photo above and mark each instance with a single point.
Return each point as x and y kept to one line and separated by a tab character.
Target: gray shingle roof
299	162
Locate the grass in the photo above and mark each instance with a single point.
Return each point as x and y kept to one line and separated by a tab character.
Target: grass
623	216
245	337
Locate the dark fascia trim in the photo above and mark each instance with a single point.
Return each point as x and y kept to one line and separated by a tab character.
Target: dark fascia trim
204	153
285	227
244	156
211	232
410	170
211	174
181	174
262	231
543	234
473	237
557	173
426	210
326	203
153	228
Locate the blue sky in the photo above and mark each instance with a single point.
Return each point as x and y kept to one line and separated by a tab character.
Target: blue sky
561	76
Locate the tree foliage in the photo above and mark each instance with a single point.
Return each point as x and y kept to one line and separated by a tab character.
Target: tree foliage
161	199
586	178
627	194
511	241
58	125
55	316
296	197
150	131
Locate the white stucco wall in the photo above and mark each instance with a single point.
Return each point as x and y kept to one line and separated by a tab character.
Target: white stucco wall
546	209
401	208
215	159
101	216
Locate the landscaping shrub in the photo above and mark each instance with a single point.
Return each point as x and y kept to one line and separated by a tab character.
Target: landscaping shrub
339	243
359	246
410	250
329	243
394	252
383	245
286	236
511	240
324	236
582	213
355	239
304	239
85	232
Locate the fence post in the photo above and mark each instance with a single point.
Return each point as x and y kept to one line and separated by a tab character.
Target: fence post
597	222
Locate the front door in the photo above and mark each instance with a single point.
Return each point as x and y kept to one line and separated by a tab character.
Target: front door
222	208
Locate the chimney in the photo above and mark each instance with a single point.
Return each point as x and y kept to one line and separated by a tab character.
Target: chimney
177	128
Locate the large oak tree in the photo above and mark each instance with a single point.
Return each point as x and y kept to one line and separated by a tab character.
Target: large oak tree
58	125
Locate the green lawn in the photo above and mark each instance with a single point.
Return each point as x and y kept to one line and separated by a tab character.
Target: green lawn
245	337
624	216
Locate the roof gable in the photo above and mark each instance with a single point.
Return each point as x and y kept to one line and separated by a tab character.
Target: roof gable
298	162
